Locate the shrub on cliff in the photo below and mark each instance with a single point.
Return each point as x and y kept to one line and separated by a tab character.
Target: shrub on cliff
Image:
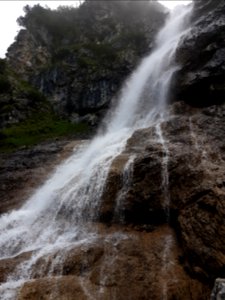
92	22
4	84
2	66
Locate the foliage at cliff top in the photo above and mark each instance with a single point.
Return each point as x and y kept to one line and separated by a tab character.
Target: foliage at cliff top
100	41
93	21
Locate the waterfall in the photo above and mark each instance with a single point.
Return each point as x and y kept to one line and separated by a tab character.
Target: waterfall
56	217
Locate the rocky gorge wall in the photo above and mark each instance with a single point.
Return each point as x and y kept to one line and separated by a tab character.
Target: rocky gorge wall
172	250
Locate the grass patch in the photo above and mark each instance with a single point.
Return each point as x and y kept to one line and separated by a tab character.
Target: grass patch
39	123
36	130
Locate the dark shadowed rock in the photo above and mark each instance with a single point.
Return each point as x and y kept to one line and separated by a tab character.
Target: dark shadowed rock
201	54
23	171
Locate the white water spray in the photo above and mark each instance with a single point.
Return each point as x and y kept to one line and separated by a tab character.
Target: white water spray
54	219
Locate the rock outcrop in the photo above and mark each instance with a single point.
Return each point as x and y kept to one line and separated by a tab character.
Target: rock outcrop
201	55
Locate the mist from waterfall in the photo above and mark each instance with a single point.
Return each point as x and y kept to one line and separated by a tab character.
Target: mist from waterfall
55	217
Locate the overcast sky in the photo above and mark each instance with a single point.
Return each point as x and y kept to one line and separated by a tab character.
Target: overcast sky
11	10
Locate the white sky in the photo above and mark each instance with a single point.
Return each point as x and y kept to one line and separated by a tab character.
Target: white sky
11	10
172	4
9	13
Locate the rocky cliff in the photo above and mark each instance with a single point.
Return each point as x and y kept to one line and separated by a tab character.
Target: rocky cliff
171	249
66	66
79	57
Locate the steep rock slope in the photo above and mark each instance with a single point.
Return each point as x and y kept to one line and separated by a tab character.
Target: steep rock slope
195	204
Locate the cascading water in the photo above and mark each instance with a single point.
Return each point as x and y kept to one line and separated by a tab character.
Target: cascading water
126	183
55	219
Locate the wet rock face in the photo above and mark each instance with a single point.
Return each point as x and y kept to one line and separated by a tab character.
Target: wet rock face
146	246
201	55
120	263
193	200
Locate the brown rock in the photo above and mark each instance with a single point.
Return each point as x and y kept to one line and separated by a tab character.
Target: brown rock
203	229
112	187
122	263
8	265
195	190
57	288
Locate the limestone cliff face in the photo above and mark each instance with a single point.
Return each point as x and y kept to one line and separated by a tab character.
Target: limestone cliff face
27	53
78	58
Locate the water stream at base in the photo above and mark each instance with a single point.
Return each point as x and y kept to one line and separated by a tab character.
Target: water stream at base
54	219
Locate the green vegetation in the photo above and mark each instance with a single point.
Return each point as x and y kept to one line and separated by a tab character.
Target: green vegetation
93	22
5	85
2	66
59	23
39	128
35	120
